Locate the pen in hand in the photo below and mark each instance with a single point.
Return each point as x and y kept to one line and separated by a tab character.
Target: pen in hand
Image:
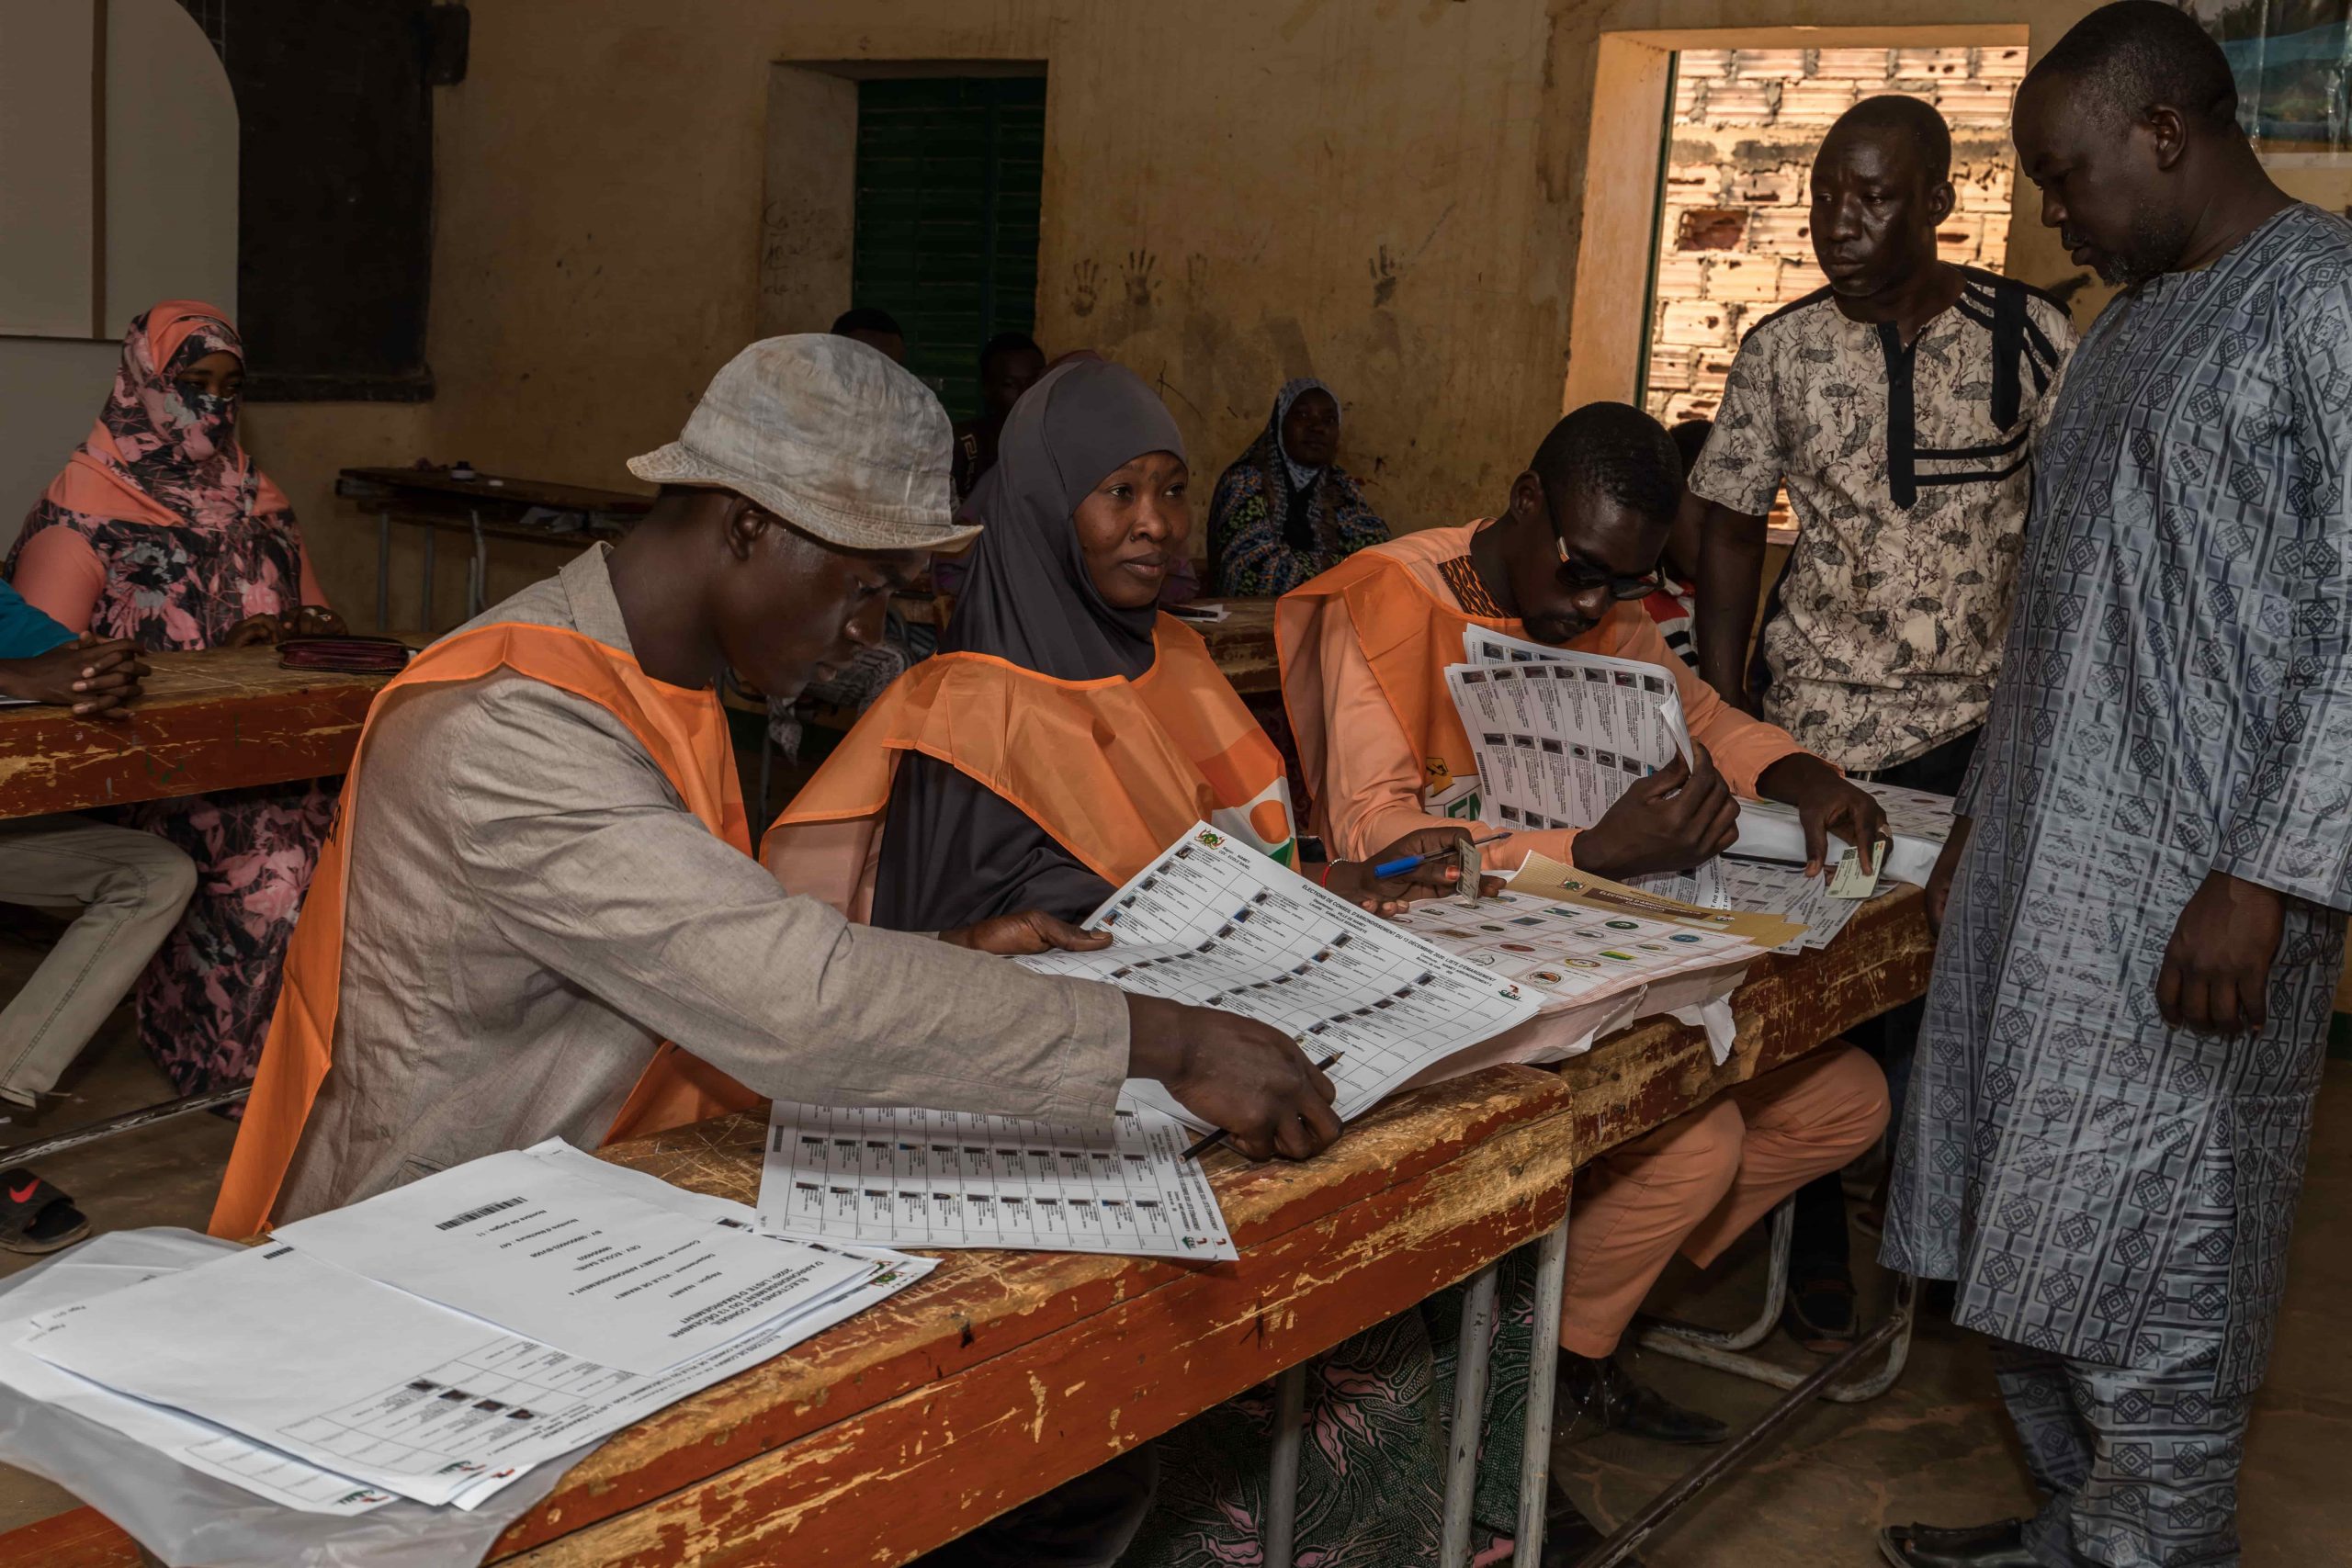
1404	864
1214	1139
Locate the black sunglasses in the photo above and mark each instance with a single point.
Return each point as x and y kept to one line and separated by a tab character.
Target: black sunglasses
1578	575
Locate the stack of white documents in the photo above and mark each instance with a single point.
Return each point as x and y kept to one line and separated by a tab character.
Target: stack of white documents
438	1341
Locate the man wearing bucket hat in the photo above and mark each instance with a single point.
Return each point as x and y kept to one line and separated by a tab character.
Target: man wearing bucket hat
538	914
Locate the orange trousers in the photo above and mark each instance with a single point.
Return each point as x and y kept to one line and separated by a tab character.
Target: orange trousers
1696	1183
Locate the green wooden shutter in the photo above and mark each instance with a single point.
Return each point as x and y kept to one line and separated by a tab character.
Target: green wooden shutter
948	169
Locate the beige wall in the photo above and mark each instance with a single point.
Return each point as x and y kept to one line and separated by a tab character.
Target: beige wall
1385	193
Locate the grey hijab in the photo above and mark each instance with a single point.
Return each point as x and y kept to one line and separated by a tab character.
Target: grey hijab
1028	599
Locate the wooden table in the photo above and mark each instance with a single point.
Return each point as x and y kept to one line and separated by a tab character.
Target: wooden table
1243	644
1004	1374
221	720
486	507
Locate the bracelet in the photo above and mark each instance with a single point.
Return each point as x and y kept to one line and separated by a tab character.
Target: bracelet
1324	881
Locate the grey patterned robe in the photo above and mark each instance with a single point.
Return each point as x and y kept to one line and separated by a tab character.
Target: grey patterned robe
2177	697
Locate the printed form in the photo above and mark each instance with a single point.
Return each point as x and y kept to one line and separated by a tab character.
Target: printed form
909	1178
1561	735
549	1255
1213	924
365	1381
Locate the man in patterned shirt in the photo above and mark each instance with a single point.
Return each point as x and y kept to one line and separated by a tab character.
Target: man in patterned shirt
1898	406
2148	878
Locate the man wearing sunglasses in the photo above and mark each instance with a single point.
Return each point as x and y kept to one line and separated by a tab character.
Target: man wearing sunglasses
1364	649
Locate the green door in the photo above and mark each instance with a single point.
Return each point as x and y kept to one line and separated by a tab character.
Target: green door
947	233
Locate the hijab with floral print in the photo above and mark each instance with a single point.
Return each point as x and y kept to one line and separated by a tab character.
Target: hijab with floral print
177	444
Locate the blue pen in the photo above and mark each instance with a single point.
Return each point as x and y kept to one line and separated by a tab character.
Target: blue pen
1404	864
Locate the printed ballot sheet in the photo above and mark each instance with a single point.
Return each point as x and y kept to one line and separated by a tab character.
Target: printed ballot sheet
909	1178
1560	735
1920	822
109	1263
551	1255
1574	953
1213	924
338	1371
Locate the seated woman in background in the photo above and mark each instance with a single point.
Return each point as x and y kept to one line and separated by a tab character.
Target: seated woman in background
161	530
1064	736
1285	511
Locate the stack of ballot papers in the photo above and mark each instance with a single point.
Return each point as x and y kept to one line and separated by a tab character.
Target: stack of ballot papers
1377	1003
438	1341
1560	735
1577	938
912	1177
1920	822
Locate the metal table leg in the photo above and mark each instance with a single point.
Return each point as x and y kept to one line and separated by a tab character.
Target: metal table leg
383	569
130	1121
1282	1476
1544	1365
1469	1416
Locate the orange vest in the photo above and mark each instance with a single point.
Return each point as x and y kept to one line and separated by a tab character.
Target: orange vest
1113	770
1409	635
686	733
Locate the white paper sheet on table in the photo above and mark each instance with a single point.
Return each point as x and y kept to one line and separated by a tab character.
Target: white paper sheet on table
552	1256
109	1263
1920	822
914	1178
1571	954
1212	923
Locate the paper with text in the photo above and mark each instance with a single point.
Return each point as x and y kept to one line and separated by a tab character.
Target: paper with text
1212	923
912	1177
549	1255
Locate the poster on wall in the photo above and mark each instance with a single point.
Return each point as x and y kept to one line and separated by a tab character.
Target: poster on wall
2292	59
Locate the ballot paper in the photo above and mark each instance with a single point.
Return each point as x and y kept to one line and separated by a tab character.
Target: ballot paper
1213	924
1580	938
109	1263
909	1178
1785	890
340	1371
1920	822
1560	735
570	1262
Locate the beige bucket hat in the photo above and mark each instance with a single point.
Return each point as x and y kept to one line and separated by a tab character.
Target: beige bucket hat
828	434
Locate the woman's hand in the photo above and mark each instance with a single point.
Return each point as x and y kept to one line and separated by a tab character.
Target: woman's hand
255	631
310	620
1437	875
1032	931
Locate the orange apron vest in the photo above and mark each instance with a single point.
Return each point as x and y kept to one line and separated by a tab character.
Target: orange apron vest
686	733
1409	635
1113	770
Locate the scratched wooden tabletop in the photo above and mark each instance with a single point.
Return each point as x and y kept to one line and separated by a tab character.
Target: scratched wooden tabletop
223	718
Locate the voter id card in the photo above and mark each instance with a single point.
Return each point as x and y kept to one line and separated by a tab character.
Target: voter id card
1851	879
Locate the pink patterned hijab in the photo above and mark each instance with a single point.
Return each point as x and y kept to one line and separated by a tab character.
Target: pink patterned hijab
159	453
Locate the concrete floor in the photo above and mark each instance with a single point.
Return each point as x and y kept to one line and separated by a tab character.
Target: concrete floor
1936	1448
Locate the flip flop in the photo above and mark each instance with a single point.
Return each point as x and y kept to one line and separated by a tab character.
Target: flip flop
35	1217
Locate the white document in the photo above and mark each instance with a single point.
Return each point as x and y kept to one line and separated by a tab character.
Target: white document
1920	822
1561	735
1779	888
1575	955
109	1263
343	1372
910	1178
1212	923
570	1262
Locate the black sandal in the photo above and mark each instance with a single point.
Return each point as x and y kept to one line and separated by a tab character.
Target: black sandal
35	1217
1819	1313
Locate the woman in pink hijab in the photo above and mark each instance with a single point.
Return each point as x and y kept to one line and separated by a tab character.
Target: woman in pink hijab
160	529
